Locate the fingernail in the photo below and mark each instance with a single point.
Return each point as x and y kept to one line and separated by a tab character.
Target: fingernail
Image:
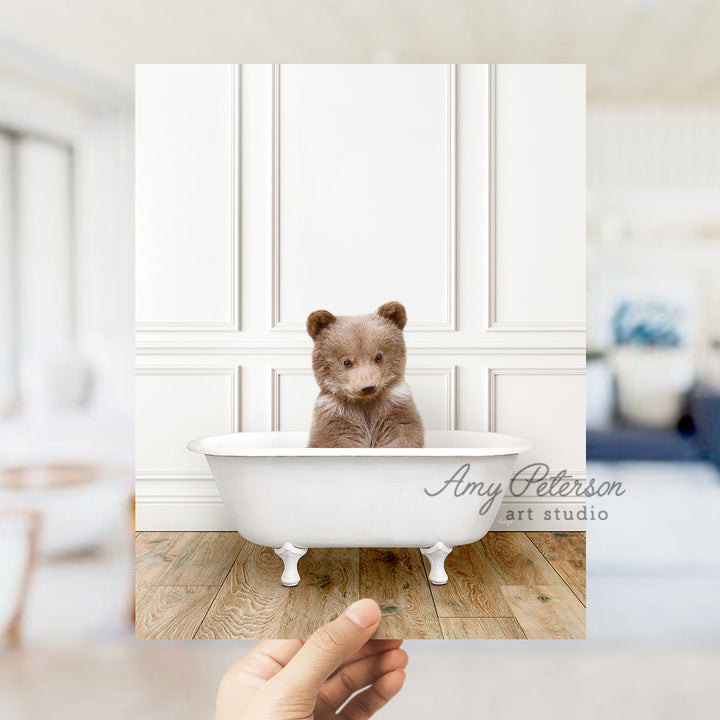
364	613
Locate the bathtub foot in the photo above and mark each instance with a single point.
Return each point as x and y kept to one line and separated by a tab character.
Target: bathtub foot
437	554
290	556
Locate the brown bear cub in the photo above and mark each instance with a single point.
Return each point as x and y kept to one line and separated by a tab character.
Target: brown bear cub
359	364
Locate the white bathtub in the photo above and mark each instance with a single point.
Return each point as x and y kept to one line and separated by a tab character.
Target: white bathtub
281	494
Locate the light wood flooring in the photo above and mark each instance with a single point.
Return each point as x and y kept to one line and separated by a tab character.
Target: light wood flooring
217	585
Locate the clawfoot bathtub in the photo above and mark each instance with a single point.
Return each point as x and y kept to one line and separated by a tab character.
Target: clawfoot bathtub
281	494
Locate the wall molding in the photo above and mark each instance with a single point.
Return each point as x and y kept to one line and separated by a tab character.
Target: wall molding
177	498
448	372
168	475
254	347
233	324
502	326
188	513
275	374
491	384
493	323
233	372
494	372
450	269
181	514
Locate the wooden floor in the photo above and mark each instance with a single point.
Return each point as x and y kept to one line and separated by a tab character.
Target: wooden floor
217	585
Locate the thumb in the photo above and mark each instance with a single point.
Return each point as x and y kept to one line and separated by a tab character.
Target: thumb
328	648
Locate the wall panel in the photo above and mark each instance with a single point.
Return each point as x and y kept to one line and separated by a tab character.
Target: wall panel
294	391
175	405
364	160
458	190
186	205
546	405
537	243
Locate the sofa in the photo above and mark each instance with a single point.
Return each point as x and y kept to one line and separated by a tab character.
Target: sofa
696	437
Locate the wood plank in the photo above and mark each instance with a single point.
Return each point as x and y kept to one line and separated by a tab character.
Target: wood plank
395	578
329	583
172	612
547	612
469	628
517	561
252	601
472	589
573	573
146	538
559	545
205	559
154	551
565	551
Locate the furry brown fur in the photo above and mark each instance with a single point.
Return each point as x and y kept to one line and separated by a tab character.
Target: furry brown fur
359	364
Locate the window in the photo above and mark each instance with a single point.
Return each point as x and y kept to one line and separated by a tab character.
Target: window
37	268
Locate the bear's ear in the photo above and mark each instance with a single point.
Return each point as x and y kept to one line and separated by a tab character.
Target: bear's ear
318	321
393	311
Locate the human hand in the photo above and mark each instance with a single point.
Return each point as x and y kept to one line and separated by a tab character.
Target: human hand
312	679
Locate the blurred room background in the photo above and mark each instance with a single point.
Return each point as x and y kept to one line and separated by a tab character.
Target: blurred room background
66	392
66	355
653	366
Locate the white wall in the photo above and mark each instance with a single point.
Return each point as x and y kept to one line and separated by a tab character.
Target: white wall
265	192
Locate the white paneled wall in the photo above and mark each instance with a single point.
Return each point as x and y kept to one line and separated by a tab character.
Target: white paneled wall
433	392
186	401
539	170
364	156
185	197
266	192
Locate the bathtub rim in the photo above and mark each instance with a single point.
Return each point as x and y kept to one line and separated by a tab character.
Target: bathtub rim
223	446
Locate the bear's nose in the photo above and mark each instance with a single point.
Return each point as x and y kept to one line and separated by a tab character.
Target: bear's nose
366	389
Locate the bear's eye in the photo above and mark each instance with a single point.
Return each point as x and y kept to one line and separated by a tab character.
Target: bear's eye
347	363
378	357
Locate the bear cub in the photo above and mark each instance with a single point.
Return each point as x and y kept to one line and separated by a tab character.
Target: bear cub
359	364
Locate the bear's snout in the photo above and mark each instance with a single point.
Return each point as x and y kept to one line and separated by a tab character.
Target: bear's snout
364	389
364	383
